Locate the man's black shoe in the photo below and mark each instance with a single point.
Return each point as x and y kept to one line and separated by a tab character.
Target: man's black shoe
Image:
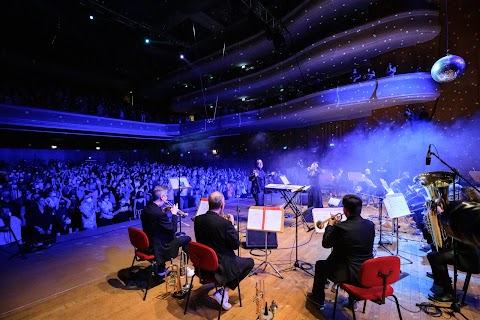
446	297
315	300
429	274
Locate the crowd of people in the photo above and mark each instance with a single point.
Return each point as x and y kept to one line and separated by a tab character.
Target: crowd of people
53	197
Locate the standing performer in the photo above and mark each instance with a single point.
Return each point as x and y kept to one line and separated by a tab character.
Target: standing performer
315	191
352	243
159	221
216	230
257	177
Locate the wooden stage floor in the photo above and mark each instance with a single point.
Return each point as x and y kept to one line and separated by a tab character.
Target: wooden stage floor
81	277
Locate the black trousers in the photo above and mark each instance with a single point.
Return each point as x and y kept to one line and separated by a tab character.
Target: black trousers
323	271
259	198
246	264
438	261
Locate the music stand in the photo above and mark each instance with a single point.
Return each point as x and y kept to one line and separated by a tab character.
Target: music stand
380	217
7	227
180	184
265	219
397	207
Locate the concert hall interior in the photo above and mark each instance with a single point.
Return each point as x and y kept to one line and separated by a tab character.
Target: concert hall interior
105	100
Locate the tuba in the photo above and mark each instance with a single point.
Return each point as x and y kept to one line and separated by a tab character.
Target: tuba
436	185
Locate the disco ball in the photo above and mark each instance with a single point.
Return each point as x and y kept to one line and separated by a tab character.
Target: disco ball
448	68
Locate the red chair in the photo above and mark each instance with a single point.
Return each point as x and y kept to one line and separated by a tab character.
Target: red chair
205	261
140	243
375	277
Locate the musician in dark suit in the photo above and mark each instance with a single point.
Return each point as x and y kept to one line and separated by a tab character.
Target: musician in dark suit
257	177
218	233
352	243
159	222
463	216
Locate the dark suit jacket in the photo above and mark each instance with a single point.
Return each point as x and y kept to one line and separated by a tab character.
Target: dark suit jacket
352	243
159	229
219	234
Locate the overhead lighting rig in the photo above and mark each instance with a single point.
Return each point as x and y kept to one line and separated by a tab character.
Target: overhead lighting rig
100	8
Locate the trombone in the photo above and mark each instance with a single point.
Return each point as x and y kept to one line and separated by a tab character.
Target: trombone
180	212
321	224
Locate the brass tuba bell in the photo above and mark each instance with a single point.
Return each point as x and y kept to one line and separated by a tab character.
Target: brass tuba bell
436	185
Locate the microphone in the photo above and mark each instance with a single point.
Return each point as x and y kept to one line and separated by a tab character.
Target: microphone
428	159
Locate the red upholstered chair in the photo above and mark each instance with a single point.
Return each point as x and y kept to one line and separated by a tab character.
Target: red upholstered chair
140	243
205	261
375	277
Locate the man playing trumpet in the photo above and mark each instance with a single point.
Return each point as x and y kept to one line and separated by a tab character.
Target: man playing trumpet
215	230
352	243
159	222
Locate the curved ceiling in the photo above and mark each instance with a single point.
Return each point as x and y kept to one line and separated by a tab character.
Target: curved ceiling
335	54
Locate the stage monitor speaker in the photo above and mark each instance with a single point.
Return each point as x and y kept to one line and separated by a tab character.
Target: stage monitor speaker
256	239
307	215
334	202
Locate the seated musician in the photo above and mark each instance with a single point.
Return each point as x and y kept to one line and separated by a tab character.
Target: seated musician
352	243
216	230
468	255
159	222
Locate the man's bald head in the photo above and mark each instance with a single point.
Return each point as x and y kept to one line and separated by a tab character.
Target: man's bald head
216	200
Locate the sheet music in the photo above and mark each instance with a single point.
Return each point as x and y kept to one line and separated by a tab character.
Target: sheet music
265	219
183	183
396	205
202	207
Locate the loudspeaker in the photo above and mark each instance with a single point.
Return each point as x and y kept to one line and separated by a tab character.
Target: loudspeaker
334	202
307	215
256	239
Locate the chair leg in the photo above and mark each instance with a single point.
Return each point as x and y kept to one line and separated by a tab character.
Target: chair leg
188	294
465	286
239	294
398	306
335	304
351	302
221	304
148	281
133	262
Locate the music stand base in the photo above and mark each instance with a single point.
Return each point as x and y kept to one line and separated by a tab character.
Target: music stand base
266	263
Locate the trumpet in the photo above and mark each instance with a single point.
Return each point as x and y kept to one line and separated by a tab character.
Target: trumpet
180	212
321	224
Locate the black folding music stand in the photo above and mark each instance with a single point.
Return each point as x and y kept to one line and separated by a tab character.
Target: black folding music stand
298	213
268	222
397	207
180	183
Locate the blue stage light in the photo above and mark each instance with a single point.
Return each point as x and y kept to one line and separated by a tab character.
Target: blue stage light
147	41
182	56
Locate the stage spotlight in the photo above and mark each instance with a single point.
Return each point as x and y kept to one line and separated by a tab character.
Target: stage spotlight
182	56
147	41
54	147
91	17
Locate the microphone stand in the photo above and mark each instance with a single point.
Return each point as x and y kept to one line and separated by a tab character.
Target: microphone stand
179	233
238	222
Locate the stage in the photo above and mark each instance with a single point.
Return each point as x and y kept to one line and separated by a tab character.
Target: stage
82	276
